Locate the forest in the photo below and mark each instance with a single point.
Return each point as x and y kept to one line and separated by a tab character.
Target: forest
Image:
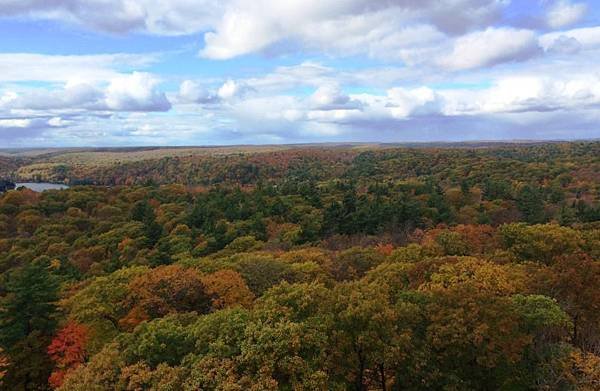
303	268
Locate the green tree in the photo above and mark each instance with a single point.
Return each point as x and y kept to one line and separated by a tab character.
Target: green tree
27	321
142	211
530	202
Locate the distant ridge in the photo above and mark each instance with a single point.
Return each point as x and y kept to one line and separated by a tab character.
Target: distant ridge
49	151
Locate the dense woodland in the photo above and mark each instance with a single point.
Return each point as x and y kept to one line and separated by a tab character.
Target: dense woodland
306	269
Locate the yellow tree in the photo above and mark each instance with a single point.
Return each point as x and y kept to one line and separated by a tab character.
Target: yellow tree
227	288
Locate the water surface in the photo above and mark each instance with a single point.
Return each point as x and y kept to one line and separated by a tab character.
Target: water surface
42	186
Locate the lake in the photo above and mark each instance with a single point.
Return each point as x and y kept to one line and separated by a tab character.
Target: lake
42	186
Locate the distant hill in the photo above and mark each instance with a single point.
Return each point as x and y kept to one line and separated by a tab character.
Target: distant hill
245	164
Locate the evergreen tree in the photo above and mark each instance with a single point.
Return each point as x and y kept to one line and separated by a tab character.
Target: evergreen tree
531	203
27	321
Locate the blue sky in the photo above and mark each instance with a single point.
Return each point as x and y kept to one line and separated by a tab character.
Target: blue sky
214	72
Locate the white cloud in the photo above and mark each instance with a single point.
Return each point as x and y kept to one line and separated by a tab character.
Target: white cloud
526	93
15	123
24	128
587	37
136	92
419	65
238	33
192	92
17	67
170	17
233	89
74	95
381	35
331	97
232	18
411	31
331	111
247	27
419	101
126	92
513	107
539	93
58	122
286	77
564	13
565	45
490	47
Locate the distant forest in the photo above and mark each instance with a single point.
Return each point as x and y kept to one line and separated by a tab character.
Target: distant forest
358	267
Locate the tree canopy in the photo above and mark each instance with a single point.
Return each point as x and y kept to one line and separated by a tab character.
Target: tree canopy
308	269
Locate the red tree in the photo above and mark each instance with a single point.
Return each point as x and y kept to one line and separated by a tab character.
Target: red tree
67	350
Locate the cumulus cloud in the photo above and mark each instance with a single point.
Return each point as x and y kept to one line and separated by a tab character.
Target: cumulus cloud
510	108
415	102
587	38
380	35
127	92
542	94
564	13
15	123
331	97
171	17
525	93
233	89
490	47
410	31
136	92
74	95
565	45
247	27
330	112
380	28
193	92
231	19
20	128
368	69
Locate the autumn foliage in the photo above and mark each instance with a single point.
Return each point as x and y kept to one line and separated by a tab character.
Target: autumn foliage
164	290
227	288
67	350
305	268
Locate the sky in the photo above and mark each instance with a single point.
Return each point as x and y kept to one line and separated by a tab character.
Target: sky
222	72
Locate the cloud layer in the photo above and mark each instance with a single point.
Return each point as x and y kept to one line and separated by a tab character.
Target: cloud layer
295	71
